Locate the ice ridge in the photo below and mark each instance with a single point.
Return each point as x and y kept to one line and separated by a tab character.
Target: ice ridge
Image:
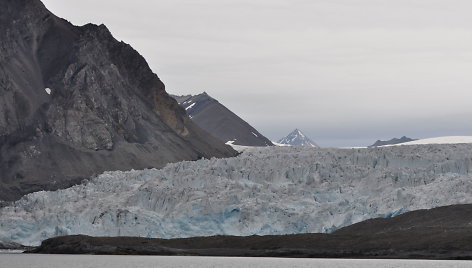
273	190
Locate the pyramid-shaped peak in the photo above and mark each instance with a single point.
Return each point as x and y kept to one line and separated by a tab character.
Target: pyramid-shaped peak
297	138
298	132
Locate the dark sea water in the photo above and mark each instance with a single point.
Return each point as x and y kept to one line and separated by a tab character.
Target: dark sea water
86	261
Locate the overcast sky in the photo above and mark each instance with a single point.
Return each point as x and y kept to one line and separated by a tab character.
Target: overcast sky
345	72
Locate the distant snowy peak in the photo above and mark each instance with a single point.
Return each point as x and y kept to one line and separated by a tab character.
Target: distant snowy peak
440	140
297	138
392	141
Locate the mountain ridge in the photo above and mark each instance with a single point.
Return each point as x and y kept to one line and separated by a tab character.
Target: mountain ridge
212	116
75	102
393	141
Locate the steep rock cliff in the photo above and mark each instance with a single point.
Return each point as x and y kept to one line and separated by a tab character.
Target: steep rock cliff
75	102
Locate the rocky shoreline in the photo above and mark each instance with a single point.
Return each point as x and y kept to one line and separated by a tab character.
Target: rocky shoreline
11	246
310	246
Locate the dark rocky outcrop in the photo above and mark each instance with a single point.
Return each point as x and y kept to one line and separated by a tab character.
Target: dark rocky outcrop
448	217
75	102
214	117
441	233
392	141
13	246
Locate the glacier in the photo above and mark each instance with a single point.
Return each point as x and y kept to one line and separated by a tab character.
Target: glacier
268	190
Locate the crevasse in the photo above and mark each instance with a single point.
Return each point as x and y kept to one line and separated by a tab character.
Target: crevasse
274	190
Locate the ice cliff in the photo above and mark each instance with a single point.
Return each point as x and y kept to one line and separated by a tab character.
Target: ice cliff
275	190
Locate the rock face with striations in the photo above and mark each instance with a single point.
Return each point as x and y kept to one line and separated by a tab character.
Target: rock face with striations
75	102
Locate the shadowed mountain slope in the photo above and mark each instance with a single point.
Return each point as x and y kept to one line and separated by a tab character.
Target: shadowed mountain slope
75	102
222	123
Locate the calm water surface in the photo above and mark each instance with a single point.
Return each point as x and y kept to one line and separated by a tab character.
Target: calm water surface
86	261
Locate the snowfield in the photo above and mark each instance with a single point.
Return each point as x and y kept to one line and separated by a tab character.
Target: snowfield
439	140
271	190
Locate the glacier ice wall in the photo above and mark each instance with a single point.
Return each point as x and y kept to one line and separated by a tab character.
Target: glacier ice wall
275	190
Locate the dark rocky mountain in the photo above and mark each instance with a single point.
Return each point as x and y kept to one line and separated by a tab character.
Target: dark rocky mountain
75	102
214	117
297	138
392	141
439	233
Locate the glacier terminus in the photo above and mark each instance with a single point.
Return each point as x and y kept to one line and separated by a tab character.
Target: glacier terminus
272	190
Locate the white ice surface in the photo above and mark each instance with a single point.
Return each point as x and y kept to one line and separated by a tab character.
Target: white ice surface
268	190
280	144
440	140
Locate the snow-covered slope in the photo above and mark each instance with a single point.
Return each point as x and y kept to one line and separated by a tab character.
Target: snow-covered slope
273	190
297	138
441	140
